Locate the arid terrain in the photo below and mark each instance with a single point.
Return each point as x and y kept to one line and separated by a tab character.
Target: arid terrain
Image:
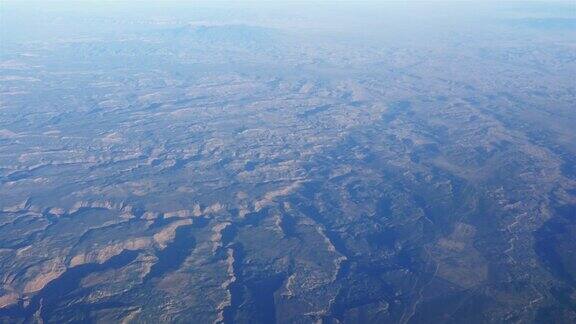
246	165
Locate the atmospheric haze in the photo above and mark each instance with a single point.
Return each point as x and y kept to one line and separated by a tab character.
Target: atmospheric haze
287	162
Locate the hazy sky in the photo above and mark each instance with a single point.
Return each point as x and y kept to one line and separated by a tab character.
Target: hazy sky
416	21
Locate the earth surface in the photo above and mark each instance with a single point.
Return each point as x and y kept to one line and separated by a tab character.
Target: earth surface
288	162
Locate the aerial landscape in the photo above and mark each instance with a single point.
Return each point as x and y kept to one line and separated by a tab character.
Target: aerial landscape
287	162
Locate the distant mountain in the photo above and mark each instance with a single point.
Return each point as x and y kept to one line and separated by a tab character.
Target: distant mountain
236	34
546	23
